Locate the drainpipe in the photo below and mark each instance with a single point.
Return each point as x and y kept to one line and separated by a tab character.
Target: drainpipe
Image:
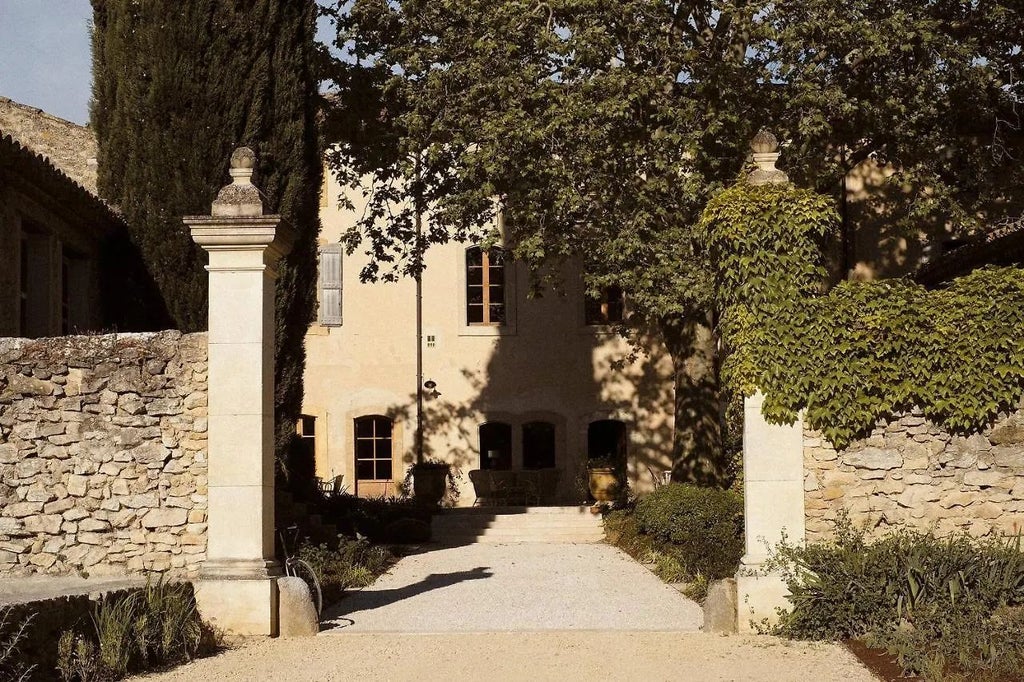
419	316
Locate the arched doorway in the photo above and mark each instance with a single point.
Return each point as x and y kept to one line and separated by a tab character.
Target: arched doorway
606	439
495	446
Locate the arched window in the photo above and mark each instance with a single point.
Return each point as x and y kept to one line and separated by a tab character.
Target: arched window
538	445
373	448
485	286
495	446
606	439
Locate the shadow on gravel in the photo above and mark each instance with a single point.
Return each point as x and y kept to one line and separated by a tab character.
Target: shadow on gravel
339	615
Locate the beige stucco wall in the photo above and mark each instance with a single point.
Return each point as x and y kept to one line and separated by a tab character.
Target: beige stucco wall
544	365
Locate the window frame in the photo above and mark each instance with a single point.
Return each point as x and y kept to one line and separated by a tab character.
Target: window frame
485	286
510	272
374	438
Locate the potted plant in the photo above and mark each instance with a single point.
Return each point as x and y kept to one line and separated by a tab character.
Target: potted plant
430	480
603	474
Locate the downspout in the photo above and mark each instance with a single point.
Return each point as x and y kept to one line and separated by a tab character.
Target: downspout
419	316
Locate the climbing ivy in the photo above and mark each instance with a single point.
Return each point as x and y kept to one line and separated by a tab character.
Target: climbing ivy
864	351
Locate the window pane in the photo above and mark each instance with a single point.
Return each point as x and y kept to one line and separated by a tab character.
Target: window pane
474	256
383	427
615	311
497	293
383	469
496	275
497	313
364	428
382	449
496	256
475	276
364	470
364	449
475	314
475	295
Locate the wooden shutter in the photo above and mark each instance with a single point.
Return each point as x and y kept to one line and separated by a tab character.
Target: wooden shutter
330	285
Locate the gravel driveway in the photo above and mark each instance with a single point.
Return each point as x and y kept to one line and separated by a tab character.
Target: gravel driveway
578	612
522	587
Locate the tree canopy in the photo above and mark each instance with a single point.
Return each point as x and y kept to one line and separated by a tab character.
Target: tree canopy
177	86
601	128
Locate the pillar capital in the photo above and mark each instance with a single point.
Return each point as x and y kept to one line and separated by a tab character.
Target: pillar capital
237	222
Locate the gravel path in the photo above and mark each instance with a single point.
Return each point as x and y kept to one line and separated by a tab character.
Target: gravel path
495	588
526	656
578	612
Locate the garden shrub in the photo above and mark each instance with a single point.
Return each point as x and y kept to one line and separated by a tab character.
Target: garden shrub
938	605
702	526
370	517
353	563
12	632
137	631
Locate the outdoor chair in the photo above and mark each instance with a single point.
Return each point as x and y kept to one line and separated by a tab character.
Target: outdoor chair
481	481
332	487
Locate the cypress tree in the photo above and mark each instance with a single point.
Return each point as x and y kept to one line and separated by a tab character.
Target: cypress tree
178	84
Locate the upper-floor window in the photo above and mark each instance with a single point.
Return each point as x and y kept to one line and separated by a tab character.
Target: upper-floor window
330	285
485	286
608	308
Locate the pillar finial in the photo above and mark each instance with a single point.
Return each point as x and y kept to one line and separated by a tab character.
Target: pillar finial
241	197
764	150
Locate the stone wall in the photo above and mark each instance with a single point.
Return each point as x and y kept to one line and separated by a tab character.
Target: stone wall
912	473
103	454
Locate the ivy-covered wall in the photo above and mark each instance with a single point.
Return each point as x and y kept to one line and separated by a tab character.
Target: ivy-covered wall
911	472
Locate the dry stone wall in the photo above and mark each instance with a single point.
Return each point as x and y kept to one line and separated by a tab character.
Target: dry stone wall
911	473
103	454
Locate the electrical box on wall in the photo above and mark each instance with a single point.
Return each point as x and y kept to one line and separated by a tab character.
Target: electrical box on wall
431	339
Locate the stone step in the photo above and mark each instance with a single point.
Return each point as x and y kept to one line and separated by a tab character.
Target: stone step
504	524
517	524
517	510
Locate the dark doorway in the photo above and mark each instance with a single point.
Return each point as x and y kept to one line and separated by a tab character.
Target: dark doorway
606	439
538	445
495	446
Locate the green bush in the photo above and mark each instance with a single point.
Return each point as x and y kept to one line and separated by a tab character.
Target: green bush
11	635
938	605
354	563
703	526
137	631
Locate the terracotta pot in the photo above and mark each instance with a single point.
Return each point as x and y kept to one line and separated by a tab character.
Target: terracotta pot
429	484
604	484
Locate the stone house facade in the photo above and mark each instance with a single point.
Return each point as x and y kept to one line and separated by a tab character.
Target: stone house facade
514	382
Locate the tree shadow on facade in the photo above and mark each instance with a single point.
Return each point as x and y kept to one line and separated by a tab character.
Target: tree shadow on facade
547	376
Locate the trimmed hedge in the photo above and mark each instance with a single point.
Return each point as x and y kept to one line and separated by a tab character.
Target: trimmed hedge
703	525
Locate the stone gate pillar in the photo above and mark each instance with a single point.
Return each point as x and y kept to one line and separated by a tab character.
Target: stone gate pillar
773	491
237	589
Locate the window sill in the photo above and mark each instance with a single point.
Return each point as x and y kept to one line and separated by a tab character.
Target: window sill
487	330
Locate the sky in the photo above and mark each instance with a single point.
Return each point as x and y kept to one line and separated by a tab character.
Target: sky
44	55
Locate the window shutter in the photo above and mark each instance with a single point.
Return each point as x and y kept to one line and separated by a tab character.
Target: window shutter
330	285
